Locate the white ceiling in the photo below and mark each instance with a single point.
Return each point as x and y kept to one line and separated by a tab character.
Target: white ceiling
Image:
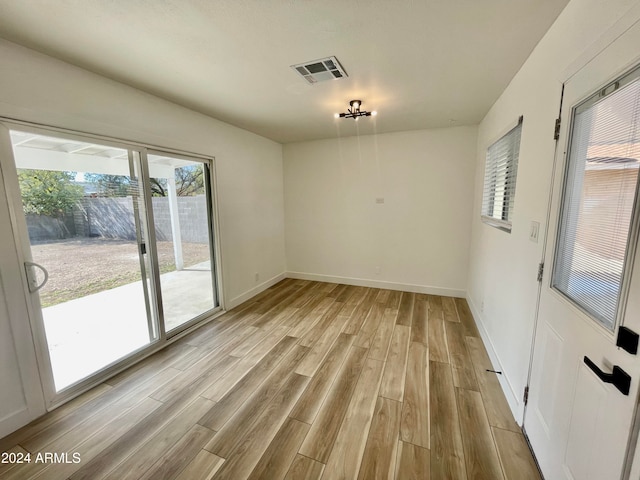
419	63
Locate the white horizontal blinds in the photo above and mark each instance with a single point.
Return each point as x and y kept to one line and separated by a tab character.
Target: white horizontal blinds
501	169
598	202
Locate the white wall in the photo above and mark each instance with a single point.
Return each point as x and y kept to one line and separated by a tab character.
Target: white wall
38	88
419	237
502	287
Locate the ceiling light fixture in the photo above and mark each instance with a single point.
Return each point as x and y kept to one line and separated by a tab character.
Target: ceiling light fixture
355	112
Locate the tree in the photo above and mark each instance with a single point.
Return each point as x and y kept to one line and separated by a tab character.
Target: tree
189	181
49	193
110	185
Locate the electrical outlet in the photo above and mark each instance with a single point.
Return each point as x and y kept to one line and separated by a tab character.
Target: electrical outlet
257	277
482	306
379	200
378	270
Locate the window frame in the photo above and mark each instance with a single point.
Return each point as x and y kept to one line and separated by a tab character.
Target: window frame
490	185
634	226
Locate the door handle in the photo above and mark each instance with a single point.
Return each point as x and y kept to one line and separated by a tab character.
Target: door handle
31	278
619	378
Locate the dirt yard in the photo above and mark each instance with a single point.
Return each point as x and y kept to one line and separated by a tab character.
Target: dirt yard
82	266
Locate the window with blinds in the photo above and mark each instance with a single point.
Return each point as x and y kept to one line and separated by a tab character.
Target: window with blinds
501	170
599	198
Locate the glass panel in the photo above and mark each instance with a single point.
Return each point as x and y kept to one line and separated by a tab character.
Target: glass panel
82	206
598	203
182	225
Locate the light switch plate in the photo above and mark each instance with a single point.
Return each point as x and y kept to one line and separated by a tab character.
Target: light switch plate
533	231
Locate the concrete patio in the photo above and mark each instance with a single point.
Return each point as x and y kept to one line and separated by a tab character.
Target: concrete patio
90	333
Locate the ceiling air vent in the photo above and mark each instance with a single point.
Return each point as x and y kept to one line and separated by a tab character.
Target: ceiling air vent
320	70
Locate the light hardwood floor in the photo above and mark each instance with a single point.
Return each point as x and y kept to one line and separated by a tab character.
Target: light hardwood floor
307	380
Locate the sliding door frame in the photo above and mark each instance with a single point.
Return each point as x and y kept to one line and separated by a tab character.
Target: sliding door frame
21	238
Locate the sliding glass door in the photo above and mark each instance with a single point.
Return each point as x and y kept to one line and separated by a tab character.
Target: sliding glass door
181	202
117	245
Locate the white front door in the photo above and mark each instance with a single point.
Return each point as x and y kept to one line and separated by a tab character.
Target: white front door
578	423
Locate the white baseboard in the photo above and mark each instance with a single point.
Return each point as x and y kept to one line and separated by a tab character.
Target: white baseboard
513	398
363	282
234	302
14	421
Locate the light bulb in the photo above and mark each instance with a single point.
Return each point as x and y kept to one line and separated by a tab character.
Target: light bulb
336	115
374	113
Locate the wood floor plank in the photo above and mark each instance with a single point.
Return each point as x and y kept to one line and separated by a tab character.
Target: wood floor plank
449	311
102	438
276	299
304	468
86	429
176	458
5	467
213	366
382	339
498	410
139	433
466	318
480	452
515	456
89	399
315	299
324	429
462	367
314	395
405	310
447	451
414	426
370	326
59	433
358	296
336	292
413	462
247	454
438	348
346	294
360	313
305	325
203	467
143	458
254	337
276	460
273	317
393	302
379	458
328	318
264	356
420	320
393	379
383	296
231	432
436	308
346	455
316	355
309	294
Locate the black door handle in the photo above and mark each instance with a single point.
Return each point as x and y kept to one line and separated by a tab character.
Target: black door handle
620	379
